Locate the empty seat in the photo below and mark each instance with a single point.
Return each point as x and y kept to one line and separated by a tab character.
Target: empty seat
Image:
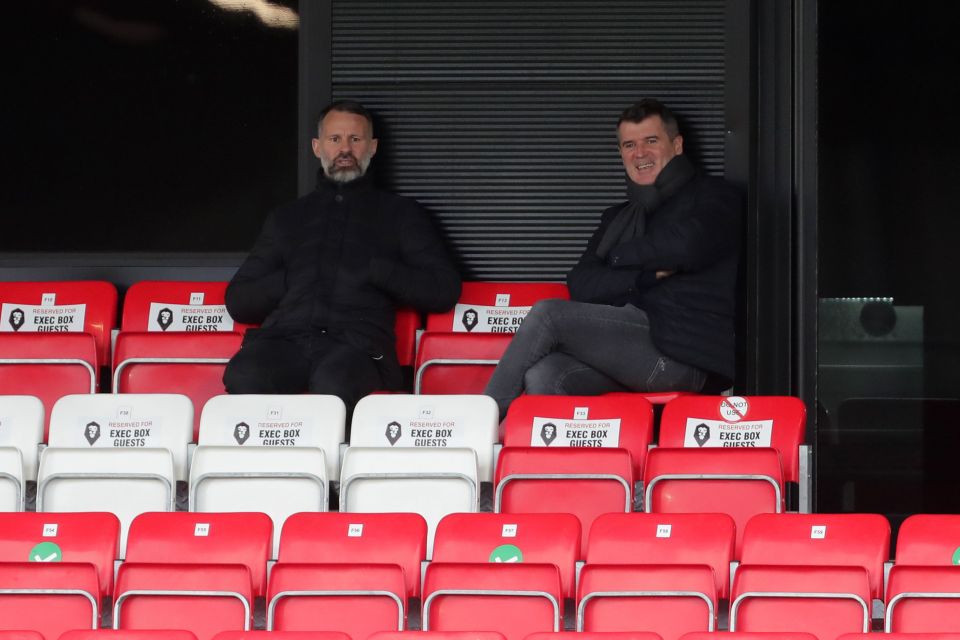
281	635
891	635
170	306
929	540
548	480
204	538
923	599
460	348
665	539
740	482
717	423
757	635
595	635
254	420
431	482
83	480
21	635
439	635
358	538
543	538
429	422
275	481
515	599
202	598
358	599
74	538
12	484
120	422
21	427
622	420
191	364
826	601
49	597
128	634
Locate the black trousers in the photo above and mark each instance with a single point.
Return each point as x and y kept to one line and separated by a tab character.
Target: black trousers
277	363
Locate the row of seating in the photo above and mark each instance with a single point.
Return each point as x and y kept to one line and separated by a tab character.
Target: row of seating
104	634
126	452
511	573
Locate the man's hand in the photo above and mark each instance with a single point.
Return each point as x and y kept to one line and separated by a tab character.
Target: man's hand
664	274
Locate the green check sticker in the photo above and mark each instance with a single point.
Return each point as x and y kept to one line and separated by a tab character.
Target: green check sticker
956	557
506	553
45	552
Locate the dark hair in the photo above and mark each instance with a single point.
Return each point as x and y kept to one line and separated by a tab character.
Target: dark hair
346	106
640	111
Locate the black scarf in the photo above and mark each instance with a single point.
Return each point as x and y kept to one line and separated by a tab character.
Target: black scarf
631	222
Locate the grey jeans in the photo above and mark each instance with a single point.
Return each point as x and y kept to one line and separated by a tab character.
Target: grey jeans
577	348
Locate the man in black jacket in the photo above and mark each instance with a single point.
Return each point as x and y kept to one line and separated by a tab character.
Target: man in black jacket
652	304
327	272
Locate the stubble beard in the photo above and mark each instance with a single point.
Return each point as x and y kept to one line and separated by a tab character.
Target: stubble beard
347	173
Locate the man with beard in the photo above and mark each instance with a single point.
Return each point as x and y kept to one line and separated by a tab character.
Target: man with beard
652	297
327	272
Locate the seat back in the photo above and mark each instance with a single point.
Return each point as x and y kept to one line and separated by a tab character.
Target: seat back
82	306
281	635
540	538
431	482
428	422
498	307
202	598
825	601
124	483
91	538
49	597
596	635
779	422
624	421
740	482
21	427
838	539
191	364
204	538
548	480
275	481
12	485
665	539
407	325
513	599
171	306
357	599
929	539
358	538
308	420
117	422
443	635
762	635
670	599
923	599
23	635
128	634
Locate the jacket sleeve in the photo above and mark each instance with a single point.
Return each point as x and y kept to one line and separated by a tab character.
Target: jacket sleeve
260	282
424	277
691	243
593	280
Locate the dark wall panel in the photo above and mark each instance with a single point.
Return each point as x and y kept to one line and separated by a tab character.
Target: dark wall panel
500	116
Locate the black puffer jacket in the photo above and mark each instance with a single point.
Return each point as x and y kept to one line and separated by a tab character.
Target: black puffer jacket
339	260
696	234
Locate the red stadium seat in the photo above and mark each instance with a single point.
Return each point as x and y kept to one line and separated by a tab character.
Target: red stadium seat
595	635
437	635
128	634
826	601
900	636
923	599
90	538
458	356
757	635
202	598
740	482
665	539
842	539
515	599
358	599
204	538
667	599
544	538
768	421
358	538
929	540
618	421
21	635
281	635
547	480
49	597
193	306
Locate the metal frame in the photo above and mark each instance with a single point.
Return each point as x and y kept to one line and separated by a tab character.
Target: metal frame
888	616
440	475
648	497
18	482
646	594
805	470
418	378
145	360
175	592
271	607
300	475
425	618
95	621
86	365
498	497
735	605
41	486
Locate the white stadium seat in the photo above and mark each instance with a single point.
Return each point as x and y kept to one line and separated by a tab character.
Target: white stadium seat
21	427
11	479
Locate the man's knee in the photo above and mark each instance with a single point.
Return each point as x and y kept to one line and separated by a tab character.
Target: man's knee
242	375
246	373
544	377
